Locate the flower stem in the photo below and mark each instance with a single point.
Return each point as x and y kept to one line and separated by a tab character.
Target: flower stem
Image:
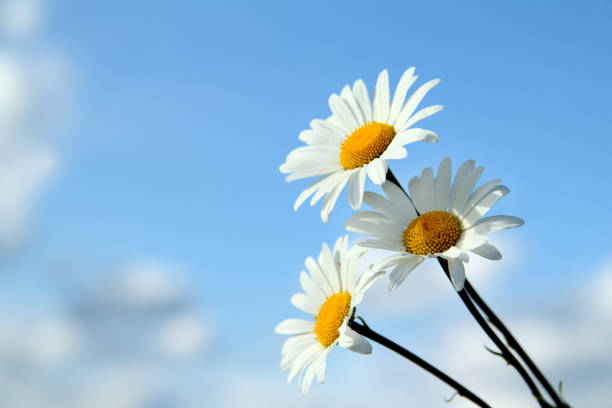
513	343
383	341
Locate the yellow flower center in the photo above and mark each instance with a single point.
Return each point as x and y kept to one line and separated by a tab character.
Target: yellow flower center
333	312
432	233
365	144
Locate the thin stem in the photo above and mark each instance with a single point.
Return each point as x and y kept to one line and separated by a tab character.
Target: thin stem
506	353
512	342
383	341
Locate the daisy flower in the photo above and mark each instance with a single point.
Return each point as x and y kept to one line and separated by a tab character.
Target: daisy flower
358	139
448	223
332	290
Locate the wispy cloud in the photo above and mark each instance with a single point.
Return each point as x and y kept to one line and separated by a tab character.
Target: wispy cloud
125	339
34	83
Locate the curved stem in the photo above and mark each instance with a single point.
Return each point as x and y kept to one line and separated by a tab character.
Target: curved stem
506	353
383	341
513	343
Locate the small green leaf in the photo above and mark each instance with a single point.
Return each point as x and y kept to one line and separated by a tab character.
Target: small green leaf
497	353
452	397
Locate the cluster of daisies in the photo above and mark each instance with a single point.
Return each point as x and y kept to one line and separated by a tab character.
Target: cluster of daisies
435	216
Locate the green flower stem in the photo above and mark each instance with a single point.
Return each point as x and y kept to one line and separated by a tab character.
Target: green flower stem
365	331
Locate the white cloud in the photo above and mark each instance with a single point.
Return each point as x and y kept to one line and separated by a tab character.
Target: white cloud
34	85
183	335
20	18
140	284
37	342
144	310
126	338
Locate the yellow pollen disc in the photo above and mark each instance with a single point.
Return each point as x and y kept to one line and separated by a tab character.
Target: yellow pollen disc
432	233
366	144
333	312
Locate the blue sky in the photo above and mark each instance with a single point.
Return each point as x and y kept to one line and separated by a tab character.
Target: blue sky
180	116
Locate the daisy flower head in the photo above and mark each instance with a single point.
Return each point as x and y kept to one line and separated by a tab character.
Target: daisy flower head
331	292
448	223
358	139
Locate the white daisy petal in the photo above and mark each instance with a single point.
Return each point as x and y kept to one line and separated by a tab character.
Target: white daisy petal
297	342
385	207
305	303
309	375
470	240
394	153
495	223
478	195
367	279
330	129
488	251
356	187
321	366
461	179
422	114
305	340
308	192
303	360
340	249
348	97
381	98
414	135
361	95
403	85
414	187
294	326
381	244
329	268
312	137
311	288
328	185
457	273
424	196
343	112
354	341
330	200
388	261
377	170
485	204
401	271
462	193
400	200
413	102
453	253
319	277
442	184
375	224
